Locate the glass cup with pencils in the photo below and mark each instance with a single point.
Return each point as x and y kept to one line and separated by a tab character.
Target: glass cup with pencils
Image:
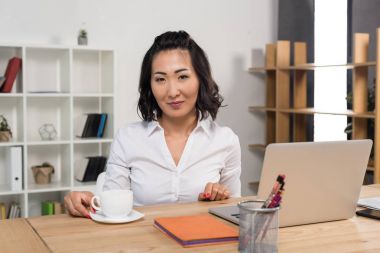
258	221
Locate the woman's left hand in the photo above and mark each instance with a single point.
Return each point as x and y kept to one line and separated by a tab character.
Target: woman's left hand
214	191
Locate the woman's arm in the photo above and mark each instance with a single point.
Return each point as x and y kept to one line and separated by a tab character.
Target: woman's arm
117	177
230	174
117	173
229	184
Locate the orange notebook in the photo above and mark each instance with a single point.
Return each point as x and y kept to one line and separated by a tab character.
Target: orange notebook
197	230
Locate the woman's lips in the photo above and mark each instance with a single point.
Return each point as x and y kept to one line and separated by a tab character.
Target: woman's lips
176	104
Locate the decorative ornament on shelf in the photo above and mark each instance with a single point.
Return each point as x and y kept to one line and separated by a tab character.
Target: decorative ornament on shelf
42	173
47	132
5	130
82	37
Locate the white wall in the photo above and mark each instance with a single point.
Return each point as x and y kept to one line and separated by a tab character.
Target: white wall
228	30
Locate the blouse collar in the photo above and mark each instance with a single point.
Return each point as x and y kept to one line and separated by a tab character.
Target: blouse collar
204	124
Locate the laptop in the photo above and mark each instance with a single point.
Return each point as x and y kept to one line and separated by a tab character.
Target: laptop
323	180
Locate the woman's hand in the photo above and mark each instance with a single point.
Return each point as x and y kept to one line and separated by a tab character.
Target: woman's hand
77	203
214	191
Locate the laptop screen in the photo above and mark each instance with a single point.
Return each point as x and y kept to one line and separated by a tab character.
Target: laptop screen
323	179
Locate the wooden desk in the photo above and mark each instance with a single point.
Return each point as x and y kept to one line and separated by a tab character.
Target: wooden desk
62	233
18	236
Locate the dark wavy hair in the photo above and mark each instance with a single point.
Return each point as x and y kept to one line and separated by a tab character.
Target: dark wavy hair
208	100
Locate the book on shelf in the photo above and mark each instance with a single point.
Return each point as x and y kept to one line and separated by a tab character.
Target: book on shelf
88	169
13	67
14	167
14	210
80	168
3	213
18	211
50	207
10	211
93	125
102	125
79	128
88	125
47	208
197	230
58	207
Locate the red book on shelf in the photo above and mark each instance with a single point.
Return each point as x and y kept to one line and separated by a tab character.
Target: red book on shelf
13	67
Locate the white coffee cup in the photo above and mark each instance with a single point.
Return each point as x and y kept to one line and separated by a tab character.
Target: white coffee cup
114	203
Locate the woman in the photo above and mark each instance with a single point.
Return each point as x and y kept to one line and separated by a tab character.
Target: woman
177	153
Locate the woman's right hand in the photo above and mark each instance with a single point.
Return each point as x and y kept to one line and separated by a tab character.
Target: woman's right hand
77	203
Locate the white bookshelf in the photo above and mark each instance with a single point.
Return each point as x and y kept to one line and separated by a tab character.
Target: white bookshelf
57	85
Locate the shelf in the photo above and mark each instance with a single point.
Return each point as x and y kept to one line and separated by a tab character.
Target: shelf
51	46
371	165
13	197
6	53
87	105
311	111
58	85
48	110
46	47
47	69
59	156
11	144
10	95
57	94
91	140
88	62
313	66
260	69
5	189
36	198
89	48
52	187
4	192
38	143
47	94
11	107
83	150
90	95
260	147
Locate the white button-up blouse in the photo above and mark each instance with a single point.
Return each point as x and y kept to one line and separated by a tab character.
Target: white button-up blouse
140	160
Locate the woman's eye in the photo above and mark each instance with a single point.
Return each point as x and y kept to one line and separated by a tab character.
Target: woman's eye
183	77
159	79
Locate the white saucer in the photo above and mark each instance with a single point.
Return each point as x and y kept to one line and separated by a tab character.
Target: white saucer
134	215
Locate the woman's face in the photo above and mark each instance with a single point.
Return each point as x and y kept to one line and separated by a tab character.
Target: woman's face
174	83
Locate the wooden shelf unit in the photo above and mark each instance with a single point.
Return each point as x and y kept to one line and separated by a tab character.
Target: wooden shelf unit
278	71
